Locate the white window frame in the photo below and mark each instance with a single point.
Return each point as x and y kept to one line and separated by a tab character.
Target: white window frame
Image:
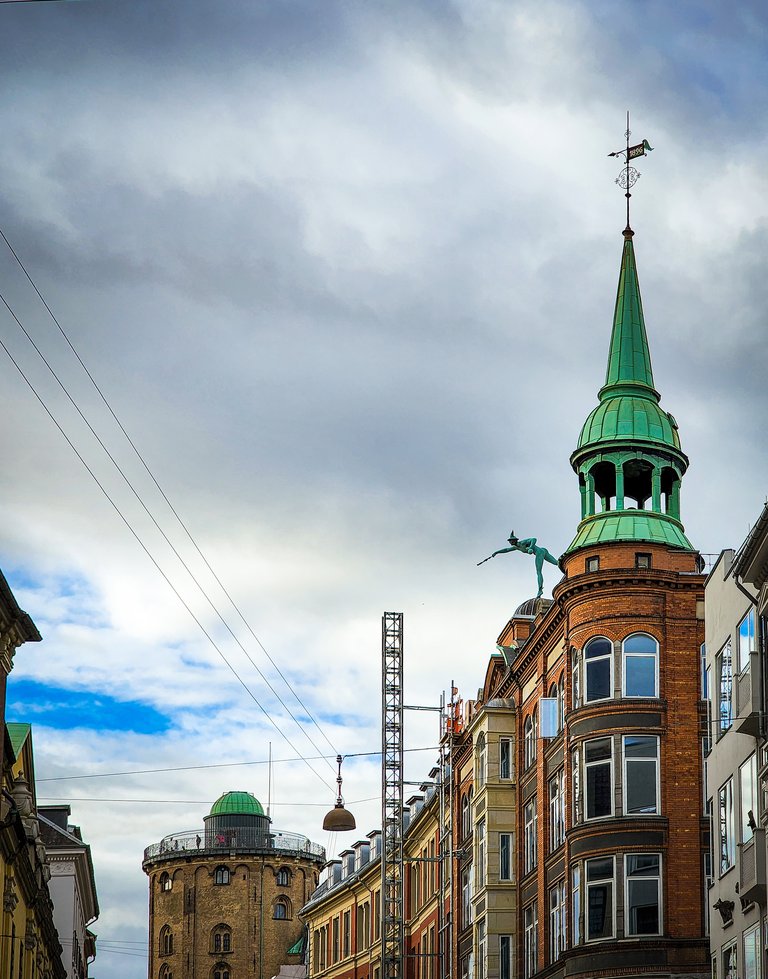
748	797
506	952
481	760
575	678
733	970
530	854
556	810
505	759
594	764
640	761
557	909
466	896
530	940
630	655
506	844
659	893
588	885
726	820
578	802
724	719
743	654
481	963
576	929
480	850
753	933
598	659
530	737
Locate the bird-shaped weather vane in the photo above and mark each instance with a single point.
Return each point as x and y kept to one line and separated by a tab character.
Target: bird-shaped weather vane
629	175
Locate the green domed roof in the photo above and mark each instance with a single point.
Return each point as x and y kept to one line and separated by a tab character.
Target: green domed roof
239	803
627	418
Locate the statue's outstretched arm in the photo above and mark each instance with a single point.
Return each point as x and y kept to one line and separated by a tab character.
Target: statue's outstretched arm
504	550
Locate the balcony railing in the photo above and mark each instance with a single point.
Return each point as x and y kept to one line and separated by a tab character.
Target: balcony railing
747	720
239	840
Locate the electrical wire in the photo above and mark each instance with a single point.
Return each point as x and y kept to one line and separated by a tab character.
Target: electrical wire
151	516
224	764
163	494
190	802
146	550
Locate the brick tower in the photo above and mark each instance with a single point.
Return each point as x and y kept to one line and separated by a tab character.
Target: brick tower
606	682
224	900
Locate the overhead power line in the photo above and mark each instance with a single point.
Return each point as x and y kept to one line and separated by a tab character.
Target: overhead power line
224	764
191	802
146	509
146	550
164	495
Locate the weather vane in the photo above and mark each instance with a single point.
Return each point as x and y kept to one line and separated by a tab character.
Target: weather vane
629	175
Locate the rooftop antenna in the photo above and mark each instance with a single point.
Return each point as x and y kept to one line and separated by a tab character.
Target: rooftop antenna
629	175
269	781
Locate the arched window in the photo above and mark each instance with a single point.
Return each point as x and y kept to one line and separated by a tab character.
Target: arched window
165	972
530	736
575	678
221	875
166	940
466	815
166	882
220	971
283	877
221	939
481	759
282	909
598	669
641	666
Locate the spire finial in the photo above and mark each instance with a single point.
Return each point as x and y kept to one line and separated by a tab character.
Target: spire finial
629	175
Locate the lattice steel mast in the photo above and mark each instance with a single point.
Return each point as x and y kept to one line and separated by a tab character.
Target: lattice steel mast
392	918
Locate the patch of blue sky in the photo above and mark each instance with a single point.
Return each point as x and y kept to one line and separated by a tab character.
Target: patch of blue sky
75	600
57	707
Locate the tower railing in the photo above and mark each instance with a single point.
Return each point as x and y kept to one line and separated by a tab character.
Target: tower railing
239	840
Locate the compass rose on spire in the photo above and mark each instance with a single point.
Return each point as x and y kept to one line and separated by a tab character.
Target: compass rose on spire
629	175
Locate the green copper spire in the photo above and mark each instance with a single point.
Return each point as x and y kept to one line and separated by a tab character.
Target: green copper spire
628	459
629	359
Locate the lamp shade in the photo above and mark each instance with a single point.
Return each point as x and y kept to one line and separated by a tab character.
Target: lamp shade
338	820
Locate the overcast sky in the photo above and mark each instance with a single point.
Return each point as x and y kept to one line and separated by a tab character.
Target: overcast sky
345	272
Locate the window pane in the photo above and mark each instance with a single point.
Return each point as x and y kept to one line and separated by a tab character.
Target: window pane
641	676
643	900
600	910
598	790
597	647
640	789
598	679
746	639
639	644
748	786
597	750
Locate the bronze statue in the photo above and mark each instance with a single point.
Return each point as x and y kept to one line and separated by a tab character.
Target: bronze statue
527	546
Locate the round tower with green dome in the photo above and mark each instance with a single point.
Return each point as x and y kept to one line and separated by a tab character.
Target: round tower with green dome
237	818
224	898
